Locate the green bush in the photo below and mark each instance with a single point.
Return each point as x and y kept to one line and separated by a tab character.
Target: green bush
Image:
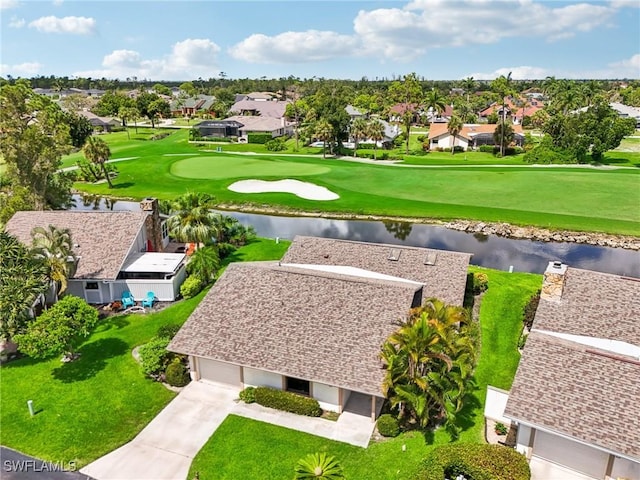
388	425
480	282
261	138
276	145
421	138
545	154
501	429
529	312
168	331
176	374
522	340
248	395
287	401
475	461
154	356
488	149
191	286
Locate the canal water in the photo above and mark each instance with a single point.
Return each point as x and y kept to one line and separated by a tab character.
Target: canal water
488	250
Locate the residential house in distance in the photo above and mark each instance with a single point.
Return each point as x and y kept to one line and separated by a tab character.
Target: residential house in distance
576	394
257	96
624	111
104	124
470	137
262	107
390	131
116	251
314	322
189	107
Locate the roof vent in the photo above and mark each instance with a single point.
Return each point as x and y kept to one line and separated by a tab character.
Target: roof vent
394	255
431	258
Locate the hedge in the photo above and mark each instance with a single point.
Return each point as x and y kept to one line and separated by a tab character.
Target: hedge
176	374
259	137
191	286
475	461
388	426
287	401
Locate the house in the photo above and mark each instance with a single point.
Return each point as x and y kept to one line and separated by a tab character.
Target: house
188	107
314	322
354	113
261	107
116	251
471	136
575	397
219	128
442	117
257	96
104	124
398	111
277	127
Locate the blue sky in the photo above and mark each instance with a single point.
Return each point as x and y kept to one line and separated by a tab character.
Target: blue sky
437	39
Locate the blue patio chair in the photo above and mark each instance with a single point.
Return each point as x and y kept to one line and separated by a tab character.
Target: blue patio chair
127	299
149	299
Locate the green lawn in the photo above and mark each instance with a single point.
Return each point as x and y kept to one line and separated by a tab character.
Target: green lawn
91	406
244	448
557	197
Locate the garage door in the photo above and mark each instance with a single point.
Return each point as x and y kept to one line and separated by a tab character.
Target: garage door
576	456
219	372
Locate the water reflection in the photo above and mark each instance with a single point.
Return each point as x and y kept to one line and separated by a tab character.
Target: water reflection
488	250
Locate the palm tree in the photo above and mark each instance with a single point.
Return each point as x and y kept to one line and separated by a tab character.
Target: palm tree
454	127
469	84
318	466
358	130
54	248
191	218
323	132
97	152
375	131
503	87
503	135
127	114
204	263
435	102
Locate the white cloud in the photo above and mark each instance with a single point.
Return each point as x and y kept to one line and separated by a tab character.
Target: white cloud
294	47
57	3
6	4
73	25
21	69
16	22
627	68
190	58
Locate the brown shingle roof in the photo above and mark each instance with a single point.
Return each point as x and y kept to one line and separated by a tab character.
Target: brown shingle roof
103	238
307	324
446	279
575	390
564	389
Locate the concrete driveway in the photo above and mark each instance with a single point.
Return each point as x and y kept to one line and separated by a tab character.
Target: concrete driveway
165	448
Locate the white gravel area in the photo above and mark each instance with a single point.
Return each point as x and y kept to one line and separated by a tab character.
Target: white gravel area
308	191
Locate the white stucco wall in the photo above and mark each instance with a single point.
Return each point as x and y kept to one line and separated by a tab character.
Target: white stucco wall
496	402
328	397
260	378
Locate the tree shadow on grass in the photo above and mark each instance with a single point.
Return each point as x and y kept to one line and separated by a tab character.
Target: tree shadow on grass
123	185
114	322
93	358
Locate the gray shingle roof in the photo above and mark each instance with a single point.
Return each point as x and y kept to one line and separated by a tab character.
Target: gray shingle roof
103	238
307	324
267	108
580	391
446	279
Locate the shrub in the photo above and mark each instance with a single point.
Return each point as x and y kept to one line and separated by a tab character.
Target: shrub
276	145
191	286
529	311
388	425
168	331
545	154
259	137
501	429
421	138
488	149
154	356
475	461
176	374
458	148
248	395
522	340
287	401
480	282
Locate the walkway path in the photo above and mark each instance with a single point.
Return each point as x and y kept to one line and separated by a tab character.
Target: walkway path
165	448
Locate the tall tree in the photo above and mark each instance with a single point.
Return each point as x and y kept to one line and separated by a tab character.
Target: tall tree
33	138
503	88
296	112
454	127
191	218
359	130
408	95
375	131
79	128
503	135
97	151
323	132
435	102
54	248
128	114
469	86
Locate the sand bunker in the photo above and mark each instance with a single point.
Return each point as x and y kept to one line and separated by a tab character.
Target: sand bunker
305	190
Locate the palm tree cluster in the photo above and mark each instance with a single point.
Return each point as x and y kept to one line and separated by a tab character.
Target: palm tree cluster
362	129
429	364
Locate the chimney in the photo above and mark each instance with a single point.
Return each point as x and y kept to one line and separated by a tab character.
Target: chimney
553	281
152	224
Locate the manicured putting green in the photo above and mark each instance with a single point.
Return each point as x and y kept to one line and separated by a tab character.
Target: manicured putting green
219	166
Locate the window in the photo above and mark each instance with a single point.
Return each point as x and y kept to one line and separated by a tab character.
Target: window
165	230
91	286
296	385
